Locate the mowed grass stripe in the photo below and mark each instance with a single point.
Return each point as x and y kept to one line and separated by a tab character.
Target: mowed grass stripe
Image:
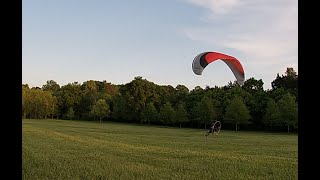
59	149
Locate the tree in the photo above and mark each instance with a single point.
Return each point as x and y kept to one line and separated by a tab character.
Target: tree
277	94
89	87
55	111
100	109
70	113
107	87
167	94
121	109
25	86
48	103
51	86
197	89
205	111
181	113
150	113
25	106
182	89
272	116
252	85
167	113
257	104
181	92
69	96
89	96
257	101
217	95
232	91
288	110
237	112
35	103
289	82
192	101
137	94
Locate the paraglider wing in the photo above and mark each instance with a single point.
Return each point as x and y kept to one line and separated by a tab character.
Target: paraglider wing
203	59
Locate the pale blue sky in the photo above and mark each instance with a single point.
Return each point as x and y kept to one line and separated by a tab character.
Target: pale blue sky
117	40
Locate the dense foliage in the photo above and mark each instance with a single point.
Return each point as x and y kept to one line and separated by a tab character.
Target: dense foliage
142	101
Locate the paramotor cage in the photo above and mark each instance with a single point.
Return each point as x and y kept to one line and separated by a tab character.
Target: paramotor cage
215	128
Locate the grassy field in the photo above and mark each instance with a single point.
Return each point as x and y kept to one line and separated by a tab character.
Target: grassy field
61	149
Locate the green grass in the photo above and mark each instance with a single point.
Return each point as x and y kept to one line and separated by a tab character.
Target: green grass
61	149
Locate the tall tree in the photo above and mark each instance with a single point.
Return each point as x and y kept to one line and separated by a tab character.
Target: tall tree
181	92
181	113
109	88
35	103
69	96
51	86
137	94
25	105
257	105
55	111
121	109
89	97
100	109
192	100
288	110
167	94
272	115
150	113
276	94
237	112
70	113
205	111
252	85
289	82
48	103
25	86
217	95
167	113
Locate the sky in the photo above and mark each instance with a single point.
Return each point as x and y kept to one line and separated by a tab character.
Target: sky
117	40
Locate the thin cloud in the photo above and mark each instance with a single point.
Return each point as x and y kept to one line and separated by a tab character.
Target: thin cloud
263	32
216	6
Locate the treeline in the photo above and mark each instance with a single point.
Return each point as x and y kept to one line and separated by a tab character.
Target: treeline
141	101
